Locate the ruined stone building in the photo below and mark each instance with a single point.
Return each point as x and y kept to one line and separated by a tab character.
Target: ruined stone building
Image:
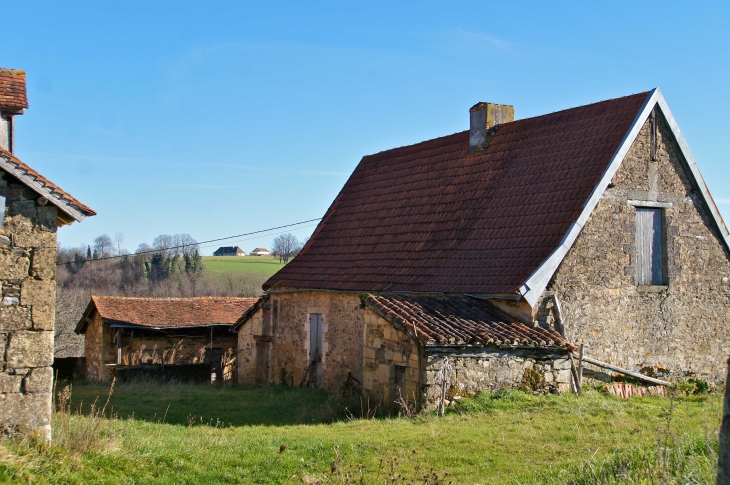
127	331
502	247
33	208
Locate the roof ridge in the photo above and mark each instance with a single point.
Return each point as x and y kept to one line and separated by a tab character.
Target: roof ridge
176	298
582	106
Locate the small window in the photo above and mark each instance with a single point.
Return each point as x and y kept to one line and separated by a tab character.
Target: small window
649	246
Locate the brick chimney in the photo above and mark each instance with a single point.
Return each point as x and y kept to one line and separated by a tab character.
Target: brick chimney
484	120
13	100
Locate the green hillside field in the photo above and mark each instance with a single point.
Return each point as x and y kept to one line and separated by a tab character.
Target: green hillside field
263	266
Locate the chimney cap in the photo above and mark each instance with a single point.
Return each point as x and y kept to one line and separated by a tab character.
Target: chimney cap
13	95
484	120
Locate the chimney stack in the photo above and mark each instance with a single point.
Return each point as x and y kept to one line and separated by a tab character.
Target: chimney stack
484	120
13	100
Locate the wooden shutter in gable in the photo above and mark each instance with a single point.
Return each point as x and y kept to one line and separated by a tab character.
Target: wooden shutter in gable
649	246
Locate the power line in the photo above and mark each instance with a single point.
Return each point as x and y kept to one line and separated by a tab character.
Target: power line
199	244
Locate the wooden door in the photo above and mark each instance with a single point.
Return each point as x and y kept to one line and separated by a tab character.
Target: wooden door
214	357
315	348
398	388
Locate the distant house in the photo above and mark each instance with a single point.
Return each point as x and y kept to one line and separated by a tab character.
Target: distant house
32	208
229	251
260	252
124	331
486	256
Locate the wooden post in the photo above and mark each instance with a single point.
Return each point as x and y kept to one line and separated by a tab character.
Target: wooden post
119	346
580	369
573	376
723	457
620	370
558	313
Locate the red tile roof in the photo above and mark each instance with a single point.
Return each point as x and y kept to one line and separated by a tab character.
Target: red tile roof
167	312
460	320
13	96
40	184
248	314
433	218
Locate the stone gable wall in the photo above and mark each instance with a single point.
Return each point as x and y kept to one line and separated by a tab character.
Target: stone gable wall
684	326
385	348
343	328
27	302
246	357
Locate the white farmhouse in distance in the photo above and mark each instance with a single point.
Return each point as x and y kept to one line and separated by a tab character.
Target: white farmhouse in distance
260	252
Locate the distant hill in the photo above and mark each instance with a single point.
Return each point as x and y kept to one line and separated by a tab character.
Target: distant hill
261	266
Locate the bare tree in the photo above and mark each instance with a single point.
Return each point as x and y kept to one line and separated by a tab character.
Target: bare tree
103	246
162	243
144	248
285	246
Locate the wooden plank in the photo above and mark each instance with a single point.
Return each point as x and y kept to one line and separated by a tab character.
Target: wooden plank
580	369
657	248
119	346
723	465
652	147
644	226
627	372
558	313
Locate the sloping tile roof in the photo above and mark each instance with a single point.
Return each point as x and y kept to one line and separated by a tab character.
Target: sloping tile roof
439	320
248	314
41	185
13	96
167	312
433	218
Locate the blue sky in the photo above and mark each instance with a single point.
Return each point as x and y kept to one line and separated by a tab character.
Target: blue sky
220	118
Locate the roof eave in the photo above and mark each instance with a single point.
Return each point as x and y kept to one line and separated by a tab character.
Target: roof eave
41	190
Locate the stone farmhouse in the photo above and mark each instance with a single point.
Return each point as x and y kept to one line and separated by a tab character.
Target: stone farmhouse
229	251
501	248
126	331
33	209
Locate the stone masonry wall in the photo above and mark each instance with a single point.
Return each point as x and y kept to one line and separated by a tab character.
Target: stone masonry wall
683	326
343	328
474	371
97	345
27	281
246	359
388	354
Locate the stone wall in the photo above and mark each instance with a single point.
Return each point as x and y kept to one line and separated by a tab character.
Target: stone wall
98	350
392	366
683	326
27	281
343	328
246	354
474	371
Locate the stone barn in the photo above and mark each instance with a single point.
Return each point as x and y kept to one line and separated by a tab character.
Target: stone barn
33	209
503	247
128	332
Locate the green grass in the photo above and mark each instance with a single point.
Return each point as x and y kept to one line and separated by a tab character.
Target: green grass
508	437
255	265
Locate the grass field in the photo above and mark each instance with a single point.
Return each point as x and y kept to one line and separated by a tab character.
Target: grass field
171	433
256	265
